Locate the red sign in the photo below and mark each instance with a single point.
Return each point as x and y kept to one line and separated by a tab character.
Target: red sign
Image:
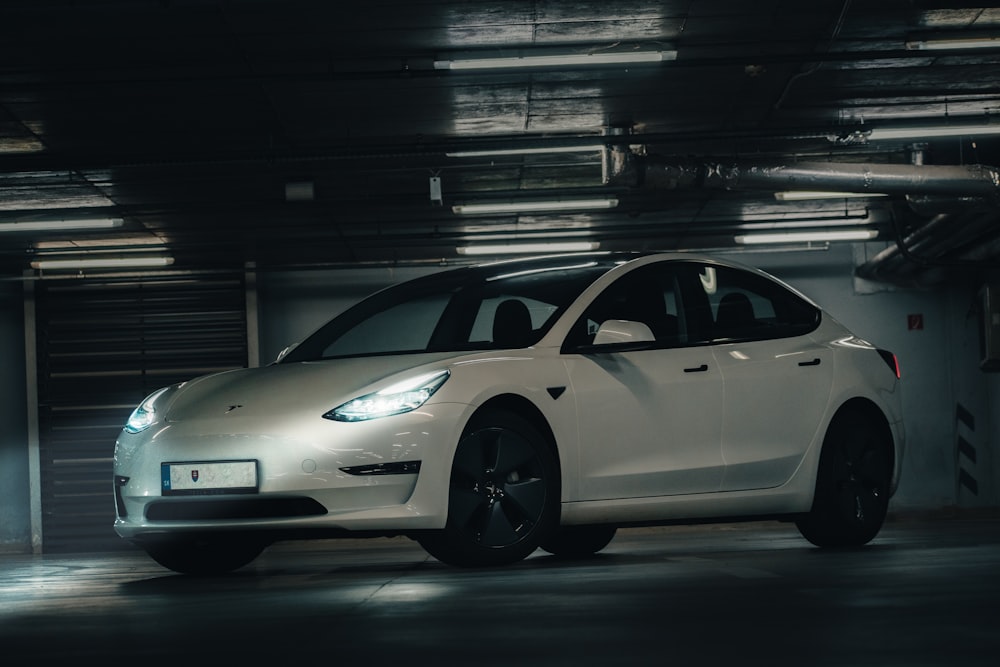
915	322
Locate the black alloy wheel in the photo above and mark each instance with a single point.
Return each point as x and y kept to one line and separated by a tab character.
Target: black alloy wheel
852	484
503	497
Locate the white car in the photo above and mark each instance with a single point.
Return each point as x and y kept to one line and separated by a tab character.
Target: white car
488	411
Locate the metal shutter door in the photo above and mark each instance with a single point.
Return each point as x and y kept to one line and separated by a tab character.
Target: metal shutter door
102	346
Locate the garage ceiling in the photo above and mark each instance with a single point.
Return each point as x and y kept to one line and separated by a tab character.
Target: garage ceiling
310	133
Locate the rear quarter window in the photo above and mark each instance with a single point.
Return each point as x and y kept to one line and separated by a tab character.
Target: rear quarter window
748	306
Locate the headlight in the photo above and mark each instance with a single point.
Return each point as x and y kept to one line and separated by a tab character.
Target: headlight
145	415
397	399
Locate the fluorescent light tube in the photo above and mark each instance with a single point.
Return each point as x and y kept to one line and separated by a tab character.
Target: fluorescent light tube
593	148
557	60
945	44
528	248
916	132
850	216
60	225
300	191
789	225
807	237
105	263
804	195
539	206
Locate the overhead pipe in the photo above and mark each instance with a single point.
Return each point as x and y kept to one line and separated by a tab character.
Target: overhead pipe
902	179
939	194
898	262
622	167
946	241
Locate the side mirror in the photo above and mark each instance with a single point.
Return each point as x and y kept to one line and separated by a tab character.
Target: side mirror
627	332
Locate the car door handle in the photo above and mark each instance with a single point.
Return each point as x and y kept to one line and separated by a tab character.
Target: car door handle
814	362
697	369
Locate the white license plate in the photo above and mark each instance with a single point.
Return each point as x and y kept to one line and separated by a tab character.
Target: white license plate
208	477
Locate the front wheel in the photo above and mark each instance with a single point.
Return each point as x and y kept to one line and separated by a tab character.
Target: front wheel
204	555
852	484
503	497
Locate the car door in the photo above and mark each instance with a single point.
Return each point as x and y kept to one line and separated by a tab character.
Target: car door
777	380
650	418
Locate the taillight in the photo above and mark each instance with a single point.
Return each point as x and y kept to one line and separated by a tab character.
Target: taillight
890	359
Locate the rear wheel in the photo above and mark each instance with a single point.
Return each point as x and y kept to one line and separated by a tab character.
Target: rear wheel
578	541
503	497
852	484
208	554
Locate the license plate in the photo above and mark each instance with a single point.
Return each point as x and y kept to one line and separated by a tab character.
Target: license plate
208	477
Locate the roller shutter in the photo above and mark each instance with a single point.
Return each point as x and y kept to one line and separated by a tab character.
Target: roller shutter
102	346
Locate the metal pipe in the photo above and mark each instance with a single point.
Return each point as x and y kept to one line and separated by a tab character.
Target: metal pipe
660	173
928	247
968	180
946	193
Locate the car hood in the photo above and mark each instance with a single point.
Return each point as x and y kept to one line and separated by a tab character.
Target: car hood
285	389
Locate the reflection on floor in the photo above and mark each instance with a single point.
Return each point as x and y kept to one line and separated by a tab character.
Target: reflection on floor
923	593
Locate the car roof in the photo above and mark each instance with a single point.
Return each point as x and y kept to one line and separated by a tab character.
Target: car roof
611	258
615	258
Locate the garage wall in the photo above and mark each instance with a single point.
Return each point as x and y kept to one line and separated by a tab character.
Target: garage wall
15	514
993	432
937	348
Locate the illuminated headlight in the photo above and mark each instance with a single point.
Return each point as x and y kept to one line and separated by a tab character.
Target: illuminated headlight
397	399
144	416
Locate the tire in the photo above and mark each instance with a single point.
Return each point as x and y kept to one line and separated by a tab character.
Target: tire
503	497
578	541
204	555
852	484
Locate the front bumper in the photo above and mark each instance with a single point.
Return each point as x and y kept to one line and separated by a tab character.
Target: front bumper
388	475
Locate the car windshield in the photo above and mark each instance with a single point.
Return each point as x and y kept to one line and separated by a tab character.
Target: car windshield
505	305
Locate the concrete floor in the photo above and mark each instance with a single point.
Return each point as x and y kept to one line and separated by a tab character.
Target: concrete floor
923	593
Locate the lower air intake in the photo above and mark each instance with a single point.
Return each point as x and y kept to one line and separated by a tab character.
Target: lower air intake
217	509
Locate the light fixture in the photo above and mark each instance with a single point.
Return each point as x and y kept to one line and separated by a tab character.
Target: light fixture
102	263
800	227
536	206
931	131
813	224
492	152
528	248
300	191
807	237
555	59
794	217
952	43
60	225
805	195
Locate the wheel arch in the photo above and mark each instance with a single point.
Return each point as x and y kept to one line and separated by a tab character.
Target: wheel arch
848	506
527	410
870	411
